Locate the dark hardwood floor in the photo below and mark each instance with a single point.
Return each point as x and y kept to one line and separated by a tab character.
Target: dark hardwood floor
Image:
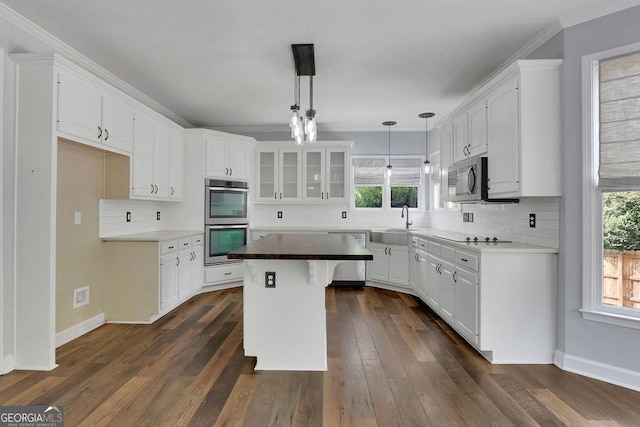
391	362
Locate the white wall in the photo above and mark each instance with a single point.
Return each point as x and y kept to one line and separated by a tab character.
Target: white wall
12	40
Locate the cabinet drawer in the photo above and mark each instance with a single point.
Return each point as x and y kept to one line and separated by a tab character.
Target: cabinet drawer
467	259
197	240
424	245
433	248
184	243
167	246
448	253
415	242
224	273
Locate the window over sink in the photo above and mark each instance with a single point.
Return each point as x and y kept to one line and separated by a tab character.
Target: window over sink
372	189
611	192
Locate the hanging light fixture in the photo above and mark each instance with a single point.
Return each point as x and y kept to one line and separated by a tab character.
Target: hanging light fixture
303	129
389	124
426	116
294	122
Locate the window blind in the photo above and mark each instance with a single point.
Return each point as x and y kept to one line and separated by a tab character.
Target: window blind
369	171
619	167
405	172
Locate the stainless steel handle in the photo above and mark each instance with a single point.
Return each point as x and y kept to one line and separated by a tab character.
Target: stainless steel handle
464	259
99	132
389	251
454	277
185	244
172	190
156	189
226	171
106	134
178	258
170	247
327	195
385	250
230	171
322	196
151	188
275	195
227	273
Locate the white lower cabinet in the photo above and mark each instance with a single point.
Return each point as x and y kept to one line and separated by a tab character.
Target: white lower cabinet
224	273
390	264
146	279
490	298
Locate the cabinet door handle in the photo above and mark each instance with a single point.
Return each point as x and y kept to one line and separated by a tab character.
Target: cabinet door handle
172	191
454	277
327	195
385	251
156	189
275	195
322	196
99	132
389	251
228	273
178	259
280	196
170	247
151	188
226	171
106	134
230	171
464	259
185	244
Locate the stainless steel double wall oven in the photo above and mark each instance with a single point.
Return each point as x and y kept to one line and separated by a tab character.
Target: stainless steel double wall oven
225	217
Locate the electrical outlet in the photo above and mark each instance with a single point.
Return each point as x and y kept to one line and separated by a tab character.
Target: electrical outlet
77	218
158	215
532	220
344	215
279	214
470	216
465	217
128	216
269	279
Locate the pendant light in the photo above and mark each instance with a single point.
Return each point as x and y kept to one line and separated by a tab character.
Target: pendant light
389	124
426	116
303	128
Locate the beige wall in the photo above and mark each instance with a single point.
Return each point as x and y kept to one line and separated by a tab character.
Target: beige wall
80	253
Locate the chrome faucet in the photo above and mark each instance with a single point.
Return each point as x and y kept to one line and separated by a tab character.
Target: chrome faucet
408	223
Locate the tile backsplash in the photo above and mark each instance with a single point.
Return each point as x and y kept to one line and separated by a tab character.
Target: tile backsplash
113	216
505	221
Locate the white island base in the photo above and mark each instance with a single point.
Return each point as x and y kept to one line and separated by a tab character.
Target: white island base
285	327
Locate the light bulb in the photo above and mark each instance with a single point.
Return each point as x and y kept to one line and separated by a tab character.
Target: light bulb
294	120
389	171
427	167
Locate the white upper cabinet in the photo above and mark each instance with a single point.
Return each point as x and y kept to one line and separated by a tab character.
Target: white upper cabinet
156	164
325	174
515	121
279	174
470	132
176	174
227	159
88	114
523	124
312	174
446	159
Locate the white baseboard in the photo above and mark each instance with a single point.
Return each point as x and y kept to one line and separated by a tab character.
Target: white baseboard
79	329
7	364
210	288
599	371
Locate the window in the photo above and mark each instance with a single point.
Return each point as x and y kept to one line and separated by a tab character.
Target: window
611	193
372	189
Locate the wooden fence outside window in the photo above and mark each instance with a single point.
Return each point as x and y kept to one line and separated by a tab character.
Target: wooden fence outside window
621	278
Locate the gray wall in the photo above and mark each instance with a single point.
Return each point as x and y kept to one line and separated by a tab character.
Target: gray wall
607	344
402	142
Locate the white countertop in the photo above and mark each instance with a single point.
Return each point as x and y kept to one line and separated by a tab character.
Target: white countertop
153	236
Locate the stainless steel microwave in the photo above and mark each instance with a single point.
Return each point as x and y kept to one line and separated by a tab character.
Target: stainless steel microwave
468	180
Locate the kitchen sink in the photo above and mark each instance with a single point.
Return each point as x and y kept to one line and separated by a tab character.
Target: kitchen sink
391	236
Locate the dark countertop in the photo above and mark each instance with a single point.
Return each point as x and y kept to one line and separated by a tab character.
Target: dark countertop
304	246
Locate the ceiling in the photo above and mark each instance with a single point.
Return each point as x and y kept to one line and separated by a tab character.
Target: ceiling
227	64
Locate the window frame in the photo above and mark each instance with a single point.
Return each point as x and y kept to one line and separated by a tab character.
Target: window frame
386	187
592	232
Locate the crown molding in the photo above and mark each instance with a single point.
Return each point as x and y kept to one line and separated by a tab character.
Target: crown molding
58	46
604	9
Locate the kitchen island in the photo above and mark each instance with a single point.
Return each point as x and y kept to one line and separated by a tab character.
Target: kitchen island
285	276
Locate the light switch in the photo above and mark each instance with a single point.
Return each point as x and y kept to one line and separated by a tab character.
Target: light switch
77	218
